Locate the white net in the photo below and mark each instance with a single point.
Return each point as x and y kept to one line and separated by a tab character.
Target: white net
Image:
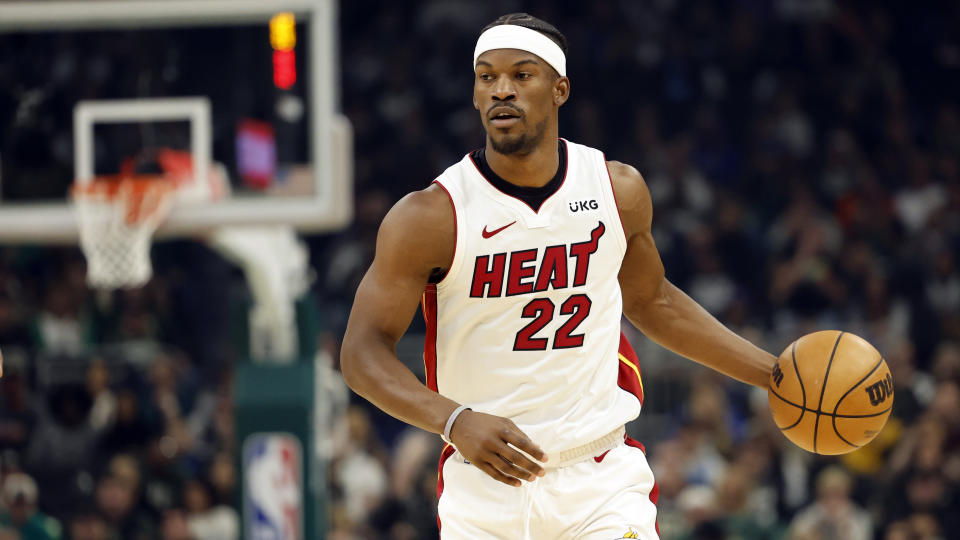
117	219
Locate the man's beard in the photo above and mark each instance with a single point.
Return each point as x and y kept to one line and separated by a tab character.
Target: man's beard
521	145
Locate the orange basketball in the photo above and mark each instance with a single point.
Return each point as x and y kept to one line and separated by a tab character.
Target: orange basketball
830	392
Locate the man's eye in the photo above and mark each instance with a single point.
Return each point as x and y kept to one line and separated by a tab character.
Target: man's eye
524	75
486	77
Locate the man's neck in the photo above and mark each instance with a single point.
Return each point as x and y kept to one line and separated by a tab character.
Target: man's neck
529	170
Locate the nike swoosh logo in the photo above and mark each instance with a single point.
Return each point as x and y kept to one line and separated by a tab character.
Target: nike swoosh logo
599	458
488	234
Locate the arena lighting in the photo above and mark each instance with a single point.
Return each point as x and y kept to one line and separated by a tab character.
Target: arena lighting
283	38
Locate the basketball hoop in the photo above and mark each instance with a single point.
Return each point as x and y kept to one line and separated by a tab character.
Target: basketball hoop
117	217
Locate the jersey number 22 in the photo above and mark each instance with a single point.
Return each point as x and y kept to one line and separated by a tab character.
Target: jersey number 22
541	310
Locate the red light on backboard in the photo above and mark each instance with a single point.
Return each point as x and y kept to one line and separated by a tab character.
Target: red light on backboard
284	69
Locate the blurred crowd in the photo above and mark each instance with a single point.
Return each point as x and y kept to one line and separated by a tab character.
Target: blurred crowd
108	429
804	162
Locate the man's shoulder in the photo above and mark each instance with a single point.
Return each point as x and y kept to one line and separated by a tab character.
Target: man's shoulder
629	186
417	235
624	173
420	228
428	207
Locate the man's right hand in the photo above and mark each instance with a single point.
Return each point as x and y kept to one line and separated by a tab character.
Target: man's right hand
485	441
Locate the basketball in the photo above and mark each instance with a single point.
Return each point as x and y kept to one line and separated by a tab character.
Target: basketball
830	392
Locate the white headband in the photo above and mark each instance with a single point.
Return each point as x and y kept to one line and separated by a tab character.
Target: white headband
511	36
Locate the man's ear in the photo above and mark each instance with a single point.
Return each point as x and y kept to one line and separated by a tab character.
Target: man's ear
561	91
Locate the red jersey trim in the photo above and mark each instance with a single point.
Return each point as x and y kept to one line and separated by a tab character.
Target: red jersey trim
628	376
429	304
615	202
453	258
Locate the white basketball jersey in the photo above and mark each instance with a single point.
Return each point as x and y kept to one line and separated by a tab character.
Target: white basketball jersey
526	322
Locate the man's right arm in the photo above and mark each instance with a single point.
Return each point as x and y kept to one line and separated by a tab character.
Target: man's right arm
416	237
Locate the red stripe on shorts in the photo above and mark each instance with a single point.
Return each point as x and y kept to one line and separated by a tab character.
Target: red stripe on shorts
448	451
655	492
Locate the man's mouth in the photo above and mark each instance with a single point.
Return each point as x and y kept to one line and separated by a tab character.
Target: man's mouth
504	117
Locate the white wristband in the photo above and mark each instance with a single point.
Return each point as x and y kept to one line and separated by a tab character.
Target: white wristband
453	417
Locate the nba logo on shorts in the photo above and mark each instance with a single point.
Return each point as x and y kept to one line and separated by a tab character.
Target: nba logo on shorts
273	492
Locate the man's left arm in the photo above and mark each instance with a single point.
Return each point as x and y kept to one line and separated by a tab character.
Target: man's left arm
662	311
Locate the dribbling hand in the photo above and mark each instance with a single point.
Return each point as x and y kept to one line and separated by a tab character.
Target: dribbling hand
484	440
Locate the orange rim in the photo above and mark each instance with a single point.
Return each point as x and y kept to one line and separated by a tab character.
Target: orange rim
109	185
142	196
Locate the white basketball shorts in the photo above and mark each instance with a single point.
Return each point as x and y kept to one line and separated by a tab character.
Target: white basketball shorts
603	497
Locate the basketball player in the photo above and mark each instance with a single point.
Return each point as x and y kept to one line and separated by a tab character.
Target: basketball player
524	256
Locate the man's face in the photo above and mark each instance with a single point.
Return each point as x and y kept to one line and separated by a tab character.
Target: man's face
517	94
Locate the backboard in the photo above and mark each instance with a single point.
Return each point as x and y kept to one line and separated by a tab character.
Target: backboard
245	89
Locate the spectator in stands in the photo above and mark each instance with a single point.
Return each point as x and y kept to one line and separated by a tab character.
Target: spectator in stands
926	467
137	321
946	364
103	411
930	493
163	475
926	527
833	514
125	468
20	498
357	471
60	325
206	518
175	526
18	416
116	500
170	402
739	515
132	427
698	505
63	446
88	524
224	419
223	478
412	494
13	330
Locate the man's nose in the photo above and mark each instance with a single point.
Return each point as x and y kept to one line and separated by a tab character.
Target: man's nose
504	90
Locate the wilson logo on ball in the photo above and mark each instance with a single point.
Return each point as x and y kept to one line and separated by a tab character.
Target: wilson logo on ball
880	390
777	375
